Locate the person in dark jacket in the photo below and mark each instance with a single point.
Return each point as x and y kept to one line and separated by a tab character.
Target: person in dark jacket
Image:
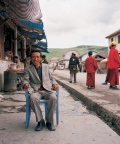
44	59
73	63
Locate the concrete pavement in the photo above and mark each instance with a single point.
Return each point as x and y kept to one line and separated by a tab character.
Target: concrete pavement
102	100
77	125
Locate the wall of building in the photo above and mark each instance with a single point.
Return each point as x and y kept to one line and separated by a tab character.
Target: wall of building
66	64
115	38
3	67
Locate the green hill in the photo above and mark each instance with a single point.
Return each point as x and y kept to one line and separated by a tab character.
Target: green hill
58	52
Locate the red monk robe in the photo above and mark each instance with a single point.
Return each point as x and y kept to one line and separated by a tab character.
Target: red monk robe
91	67
107	76
108	73
113	64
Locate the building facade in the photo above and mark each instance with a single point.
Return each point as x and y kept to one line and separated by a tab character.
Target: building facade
115	36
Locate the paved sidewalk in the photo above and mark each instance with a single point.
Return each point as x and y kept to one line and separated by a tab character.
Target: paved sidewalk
102	100
77	125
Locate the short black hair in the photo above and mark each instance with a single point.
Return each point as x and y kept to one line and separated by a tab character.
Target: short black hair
90	53
43	56
15	57
35	50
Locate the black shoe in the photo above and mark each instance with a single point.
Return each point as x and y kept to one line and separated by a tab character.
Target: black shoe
50	126
90	87
114	88
70	81
105	83
40	125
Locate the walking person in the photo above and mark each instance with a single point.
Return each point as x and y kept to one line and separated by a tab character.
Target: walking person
73	63
113	64
40	84
53	67
91	67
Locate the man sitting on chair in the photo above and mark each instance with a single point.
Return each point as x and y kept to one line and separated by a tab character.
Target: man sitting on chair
40	84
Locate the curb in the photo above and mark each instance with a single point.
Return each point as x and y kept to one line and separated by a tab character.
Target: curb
110	117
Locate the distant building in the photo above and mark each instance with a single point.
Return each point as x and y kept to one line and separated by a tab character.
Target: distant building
98	56
101	56
54	61
115	36
85	55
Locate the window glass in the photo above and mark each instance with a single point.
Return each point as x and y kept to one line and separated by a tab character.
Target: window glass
119	39
111	39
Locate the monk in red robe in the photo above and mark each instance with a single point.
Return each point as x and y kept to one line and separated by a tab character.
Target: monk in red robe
113	65
108	75
91	67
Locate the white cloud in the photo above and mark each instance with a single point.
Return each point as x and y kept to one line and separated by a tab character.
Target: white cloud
69	23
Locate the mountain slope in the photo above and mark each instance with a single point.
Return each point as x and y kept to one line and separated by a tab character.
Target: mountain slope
56	52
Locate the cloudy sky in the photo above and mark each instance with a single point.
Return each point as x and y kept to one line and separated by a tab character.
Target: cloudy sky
69	23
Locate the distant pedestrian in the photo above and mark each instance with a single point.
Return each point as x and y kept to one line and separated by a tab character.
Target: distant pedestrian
91	67
53	67
17	61
27	60
113	65
73	63
44	59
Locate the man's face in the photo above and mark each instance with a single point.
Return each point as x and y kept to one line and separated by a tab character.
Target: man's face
36	58
15	60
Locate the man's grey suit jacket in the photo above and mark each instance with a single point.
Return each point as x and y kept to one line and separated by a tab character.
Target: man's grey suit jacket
31	77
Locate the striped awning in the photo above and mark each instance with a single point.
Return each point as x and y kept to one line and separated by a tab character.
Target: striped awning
26	15
42	49
31	34
39	44
28	10
30	26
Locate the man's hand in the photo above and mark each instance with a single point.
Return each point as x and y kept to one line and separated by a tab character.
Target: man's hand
26	86
55	87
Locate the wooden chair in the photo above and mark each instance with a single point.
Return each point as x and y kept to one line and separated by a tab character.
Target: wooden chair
42	101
